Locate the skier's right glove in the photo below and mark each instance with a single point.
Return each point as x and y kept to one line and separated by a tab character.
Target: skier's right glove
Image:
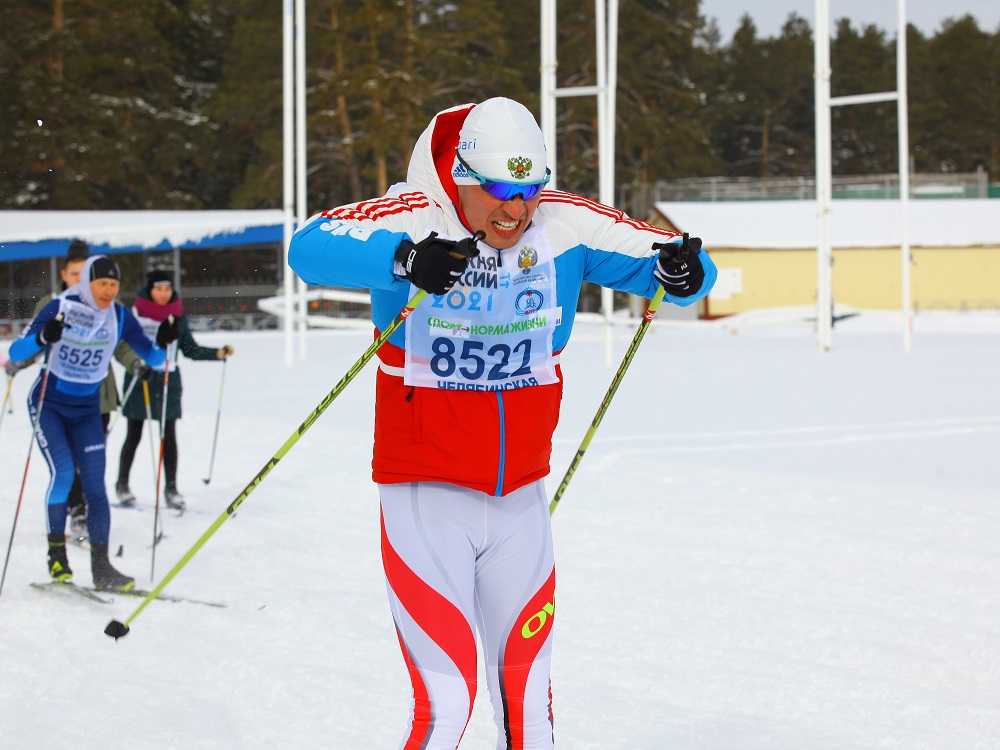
167	332
434	264
51	332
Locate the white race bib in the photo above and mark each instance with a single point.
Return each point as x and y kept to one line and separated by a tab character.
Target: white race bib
493	330
89	338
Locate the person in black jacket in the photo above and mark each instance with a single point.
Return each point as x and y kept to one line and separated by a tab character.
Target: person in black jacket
155	303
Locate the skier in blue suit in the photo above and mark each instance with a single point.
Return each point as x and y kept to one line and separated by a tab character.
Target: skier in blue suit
80	329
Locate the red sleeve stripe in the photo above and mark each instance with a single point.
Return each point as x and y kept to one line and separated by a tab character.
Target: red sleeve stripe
376	209
557	196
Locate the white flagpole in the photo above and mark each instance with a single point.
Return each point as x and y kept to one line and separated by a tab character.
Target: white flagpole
300	158
904	175
288	198
824	312
548	83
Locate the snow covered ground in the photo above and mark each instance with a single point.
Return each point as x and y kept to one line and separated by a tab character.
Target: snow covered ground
766	548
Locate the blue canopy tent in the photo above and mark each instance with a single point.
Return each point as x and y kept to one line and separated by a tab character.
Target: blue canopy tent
28	235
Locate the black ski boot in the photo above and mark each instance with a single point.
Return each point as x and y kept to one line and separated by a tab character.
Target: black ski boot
59	569
124	494
175	500
106	578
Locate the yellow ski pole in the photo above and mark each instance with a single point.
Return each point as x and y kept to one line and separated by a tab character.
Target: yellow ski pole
647	318
6	398
685	247
116	629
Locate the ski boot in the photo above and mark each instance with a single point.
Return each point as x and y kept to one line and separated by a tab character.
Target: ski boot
106	578
124	495
59	569
174	499
78	520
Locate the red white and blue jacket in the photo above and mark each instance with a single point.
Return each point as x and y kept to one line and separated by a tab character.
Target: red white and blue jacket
491	441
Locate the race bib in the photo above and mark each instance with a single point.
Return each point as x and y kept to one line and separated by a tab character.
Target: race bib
493	330
89	338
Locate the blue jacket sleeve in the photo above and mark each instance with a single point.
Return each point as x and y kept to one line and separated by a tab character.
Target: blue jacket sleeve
625	273
134	337
340	253
27	346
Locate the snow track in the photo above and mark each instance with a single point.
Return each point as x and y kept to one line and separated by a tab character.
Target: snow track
765	548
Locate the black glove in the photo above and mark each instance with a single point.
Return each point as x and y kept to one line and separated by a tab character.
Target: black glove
678	268
52	331
167	332
434	264
140	370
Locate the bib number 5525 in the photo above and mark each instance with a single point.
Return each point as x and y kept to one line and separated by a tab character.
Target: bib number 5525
475	360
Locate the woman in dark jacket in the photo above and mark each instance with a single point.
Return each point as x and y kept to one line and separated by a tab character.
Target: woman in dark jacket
154	304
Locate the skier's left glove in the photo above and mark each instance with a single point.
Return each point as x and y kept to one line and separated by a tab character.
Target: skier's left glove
224	352
167	332
140	370
678	268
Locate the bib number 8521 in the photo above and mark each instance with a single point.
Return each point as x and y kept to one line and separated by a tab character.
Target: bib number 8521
471	362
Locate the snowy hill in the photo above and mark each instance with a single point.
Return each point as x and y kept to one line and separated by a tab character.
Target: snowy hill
765	548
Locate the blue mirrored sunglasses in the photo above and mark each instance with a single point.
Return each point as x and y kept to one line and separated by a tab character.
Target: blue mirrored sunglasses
506	191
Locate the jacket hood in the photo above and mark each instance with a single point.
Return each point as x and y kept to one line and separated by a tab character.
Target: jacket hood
433	157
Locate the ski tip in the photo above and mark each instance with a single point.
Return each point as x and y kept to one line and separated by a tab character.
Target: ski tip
121	550
116	630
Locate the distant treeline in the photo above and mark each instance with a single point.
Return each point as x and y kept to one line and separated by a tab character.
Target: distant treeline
177	103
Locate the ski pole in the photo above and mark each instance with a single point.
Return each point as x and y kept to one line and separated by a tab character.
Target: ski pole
125	398
27	463
148	402
647	318
6	398
218	416
159	464
116	629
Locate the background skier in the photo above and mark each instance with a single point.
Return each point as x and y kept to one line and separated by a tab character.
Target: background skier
154	303
81	328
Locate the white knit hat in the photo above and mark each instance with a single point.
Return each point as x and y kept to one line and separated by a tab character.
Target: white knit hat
500	140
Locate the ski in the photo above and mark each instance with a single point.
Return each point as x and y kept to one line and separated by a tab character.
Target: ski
126	506
95	595
69	587
142	594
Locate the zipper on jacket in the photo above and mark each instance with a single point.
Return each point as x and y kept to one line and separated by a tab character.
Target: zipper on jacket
503	456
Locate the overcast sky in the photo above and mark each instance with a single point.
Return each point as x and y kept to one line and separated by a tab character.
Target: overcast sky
926	15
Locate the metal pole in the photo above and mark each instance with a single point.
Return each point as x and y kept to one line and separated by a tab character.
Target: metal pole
548	83
287	134
604	184
300	157
904	175
824	322
177	271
